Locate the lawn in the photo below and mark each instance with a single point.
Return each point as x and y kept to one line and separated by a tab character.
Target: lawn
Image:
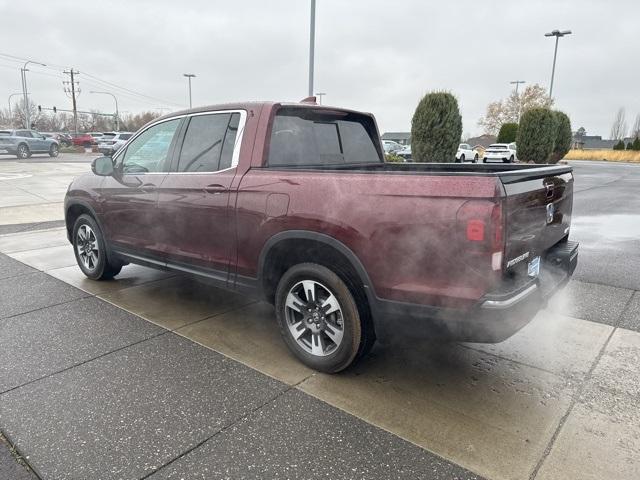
608	155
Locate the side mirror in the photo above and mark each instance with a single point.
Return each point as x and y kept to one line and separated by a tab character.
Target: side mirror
102	166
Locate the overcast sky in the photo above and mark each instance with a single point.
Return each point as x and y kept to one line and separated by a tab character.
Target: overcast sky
373	55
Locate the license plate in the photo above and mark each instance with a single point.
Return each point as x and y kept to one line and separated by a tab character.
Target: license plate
533	268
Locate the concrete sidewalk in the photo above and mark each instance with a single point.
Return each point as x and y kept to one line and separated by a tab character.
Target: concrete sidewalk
106	377
92	391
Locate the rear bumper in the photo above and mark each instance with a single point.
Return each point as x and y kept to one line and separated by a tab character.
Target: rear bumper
496	317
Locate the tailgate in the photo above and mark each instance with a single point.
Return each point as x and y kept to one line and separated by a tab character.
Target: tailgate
538	214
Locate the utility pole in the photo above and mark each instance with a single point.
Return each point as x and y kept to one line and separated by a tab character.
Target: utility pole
557	34
517	84
189	76
72	90
312	44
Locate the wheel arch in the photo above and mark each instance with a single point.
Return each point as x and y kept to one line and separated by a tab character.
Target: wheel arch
288	248
73	210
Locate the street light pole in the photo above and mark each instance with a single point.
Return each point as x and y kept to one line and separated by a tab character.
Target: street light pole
517	84
23	72
312	44
320	95
117	114
189	76
557	34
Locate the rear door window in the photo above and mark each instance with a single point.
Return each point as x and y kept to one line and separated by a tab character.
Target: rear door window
208	143
305	137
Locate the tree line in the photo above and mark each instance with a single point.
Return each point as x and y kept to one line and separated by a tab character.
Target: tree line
48	121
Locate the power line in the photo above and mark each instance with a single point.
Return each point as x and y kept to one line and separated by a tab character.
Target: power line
105	82
133	91
22	59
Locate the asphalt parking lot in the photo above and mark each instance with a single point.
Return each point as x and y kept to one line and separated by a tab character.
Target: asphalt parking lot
155	375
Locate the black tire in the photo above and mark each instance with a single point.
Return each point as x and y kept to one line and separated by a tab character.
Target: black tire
23	151
511	159
462	158
86	145
53	150
475	159
355	342
104	268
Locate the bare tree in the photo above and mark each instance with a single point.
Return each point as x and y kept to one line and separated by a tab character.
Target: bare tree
635	130
511	108
134	122
619	126
18	113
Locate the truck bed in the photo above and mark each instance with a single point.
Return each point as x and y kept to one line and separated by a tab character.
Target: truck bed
508	172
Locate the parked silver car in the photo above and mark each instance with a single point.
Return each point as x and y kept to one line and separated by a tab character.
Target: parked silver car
113	144
24	143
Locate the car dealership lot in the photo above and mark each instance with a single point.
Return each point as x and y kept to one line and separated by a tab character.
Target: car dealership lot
157	374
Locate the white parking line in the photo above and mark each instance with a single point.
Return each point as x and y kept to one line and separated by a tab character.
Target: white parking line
14	176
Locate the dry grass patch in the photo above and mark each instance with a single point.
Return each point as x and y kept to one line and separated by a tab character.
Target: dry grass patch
608	155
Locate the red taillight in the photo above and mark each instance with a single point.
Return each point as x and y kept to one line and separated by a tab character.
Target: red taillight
496	223
475	230
481	224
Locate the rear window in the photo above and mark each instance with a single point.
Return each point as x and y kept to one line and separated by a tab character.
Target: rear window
498	147
4	133
306	137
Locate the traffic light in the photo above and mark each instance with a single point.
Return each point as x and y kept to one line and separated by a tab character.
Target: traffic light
39	108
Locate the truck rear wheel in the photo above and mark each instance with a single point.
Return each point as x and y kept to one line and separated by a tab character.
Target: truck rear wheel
319	318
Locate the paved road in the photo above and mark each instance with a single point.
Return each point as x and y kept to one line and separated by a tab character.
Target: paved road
606	221
155	374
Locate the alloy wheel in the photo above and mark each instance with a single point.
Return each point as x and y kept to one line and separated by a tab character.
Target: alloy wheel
314	318
23	152
87	247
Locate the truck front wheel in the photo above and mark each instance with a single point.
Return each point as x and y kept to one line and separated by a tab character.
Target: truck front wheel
318	317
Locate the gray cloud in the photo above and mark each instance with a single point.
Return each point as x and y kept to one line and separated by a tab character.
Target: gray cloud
374	55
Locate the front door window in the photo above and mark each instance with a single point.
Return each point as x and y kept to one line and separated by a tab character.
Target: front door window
149	151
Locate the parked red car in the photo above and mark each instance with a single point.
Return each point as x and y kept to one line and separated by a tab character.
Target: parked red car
83	140
294	202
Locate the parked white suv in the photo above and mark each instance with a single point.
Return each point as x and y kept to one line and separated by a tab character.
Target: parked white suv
466	154
391	147
500	152
113	144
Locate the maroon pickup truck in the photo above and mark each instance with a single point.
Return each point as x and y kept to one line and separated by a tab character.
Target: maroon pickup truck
294	202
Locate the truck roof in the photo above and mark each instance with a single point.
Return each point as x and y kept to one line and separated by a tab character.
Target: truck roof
258	105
